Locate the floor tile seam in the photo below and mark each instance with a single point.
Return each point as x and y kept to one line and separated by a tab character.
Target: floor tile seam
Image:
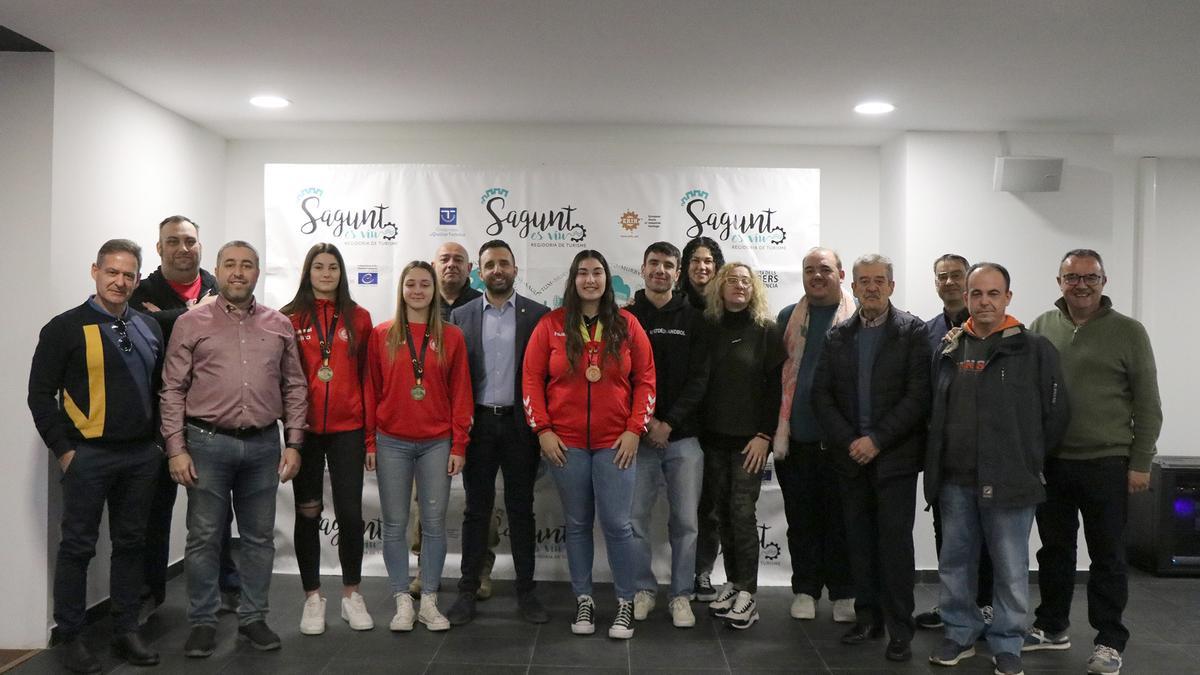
721	644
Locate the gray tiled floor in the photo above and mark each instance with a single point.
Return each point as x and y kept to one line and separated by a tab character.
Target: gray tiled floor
1163	616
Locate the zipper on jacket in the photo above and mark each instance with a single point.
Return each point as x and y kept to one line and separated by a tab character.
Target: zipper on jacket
325	421
589	415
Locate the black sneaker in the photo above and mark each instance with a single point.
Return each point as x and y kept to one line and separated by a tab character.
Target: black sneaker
585	613
201	642
704	590
463	609
930	619
531	608
1007	664
260	637
77	658
622	626
898	650
949	653
131	648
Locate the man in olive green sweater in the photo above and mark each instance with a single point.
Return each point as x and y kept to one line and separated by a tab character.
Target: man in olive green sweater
1116	416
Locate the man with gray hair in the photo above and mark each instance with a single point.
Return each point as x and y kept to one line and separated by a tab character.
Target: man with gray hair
871	395
231	374
92	391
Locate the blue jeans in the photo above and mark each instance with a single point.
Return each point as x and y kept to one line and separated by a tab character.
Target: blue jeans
1006	531
681	466
397	462
248	468
590	484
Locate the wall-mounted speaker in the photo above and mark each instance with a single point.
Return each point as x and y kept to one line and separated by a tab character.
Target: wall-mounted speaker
1027	174
1162	534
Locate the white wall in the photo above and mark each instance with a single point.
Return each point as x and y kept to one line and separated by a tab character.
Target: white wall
86	160
26	115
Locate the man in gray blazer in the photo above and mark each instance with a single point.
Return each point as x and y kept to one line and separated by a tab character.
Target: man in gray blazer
497	327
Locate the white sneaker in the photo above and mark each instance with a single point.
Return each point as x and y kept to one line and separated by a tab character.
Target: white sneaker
622	626
681	612
312	618
643	604
724	602
843	611
804	606
744	612
585	616
429	614
404	619
354	612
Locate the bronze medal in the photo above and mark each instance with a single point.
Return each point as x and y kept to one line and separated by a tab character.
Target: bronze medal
418	392
592	373
325	373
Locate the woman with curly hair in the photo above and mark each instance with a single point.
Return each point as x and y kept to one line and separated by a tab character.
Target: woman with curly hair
702	258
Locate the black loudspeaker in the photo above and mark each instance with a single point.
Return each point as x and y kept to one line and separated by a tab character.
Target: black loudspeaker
1163	532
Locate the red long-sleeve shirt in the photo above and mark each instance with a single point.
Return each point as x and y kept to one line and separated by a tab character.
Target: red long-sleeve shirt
588	415
336	405
448	408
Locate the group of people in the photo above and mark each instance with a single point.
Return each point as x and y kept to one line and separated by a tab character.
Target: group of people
185	379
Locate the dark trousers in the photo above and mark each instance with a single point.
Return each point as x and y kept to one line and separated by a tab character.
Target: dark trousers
879	524
158	540
733	496
344	451
983	596
122	477
816	533
1098	490
498	444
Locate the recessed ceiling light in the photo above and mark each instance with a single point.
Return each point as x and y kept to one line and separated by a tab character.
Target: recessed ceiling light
874	108
270	102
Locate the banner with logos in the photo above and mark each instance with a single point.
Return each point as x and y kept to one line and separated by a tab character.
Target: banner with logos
384	216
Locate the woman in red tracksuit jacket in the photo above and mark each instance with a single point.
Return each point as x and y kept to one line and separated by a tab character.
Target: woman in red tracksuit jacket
419	413
331	331
588	393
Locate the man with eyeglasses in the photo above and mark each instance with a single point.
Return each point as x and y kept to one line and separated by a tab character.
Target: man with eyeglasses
949	280
1116	416
93	393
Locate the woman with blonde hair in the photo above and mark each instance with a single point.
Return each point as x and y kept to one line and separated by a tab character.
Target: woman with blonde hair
740	414
419	412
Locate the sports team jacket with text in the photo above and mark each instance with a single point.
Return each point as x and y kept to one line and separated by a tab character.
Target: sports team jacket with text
336	405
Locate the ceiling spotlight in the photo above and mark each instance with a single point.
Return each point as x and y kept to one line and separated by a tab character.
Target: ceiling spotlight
874	108
270	102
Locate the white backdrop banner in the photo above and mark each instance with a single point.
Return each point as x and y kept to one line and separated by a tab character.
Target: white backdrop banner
384	216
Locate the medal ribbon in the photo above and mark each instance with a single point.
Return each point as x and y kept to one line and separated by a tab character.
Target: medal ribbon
583	330
326	345
418	363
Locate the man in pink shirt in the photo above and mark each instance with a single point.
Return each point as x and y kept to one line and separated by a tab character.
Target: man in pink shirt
232	373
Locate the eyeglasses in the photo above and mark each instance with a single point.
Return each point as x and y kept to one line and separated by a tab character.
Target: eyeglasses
1089	279
123	340
738	281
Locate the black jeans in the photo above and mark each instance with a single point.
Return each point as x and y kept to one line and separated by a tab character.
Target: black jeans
158	540
879	524
983	596
732	494
345	452
123	477
499	443
816	532
1097	489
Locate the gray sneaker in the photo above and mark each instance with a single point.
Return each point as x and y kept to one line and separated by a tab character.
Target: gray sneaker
1008	664
949	653
1104	661
1037	640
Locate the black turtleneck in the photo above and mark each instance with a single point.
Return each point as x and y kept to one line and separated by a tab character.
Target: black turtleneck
744	387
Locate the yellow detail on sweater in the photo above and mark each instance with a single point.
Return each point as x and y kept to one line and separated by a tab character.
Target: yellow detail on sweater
90	425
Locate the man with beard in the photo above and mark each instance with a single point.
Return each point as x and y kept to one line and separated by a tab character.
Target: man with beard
232	373
1105	457
670	451
453	268
178	286
816	534
871	395
496	328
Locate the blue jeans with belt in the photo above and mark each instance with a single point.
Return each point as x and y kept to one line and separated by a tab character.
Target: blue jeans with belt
244	471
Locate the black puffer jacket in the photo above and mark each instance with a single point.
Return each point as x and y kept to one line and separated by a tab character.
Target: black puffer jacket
900	394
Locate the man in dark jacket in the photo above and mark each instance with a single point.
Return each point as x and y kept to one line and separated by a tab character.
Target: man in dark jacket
998	405
670	451
871	396
175	288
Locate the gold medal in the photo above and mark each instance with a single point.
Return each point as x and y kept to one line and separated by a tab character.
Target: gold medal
592	373
418	392
325	373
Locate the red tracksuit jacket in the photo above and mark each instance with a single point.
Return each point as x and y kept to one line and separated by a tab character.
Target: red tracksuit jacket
336	405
